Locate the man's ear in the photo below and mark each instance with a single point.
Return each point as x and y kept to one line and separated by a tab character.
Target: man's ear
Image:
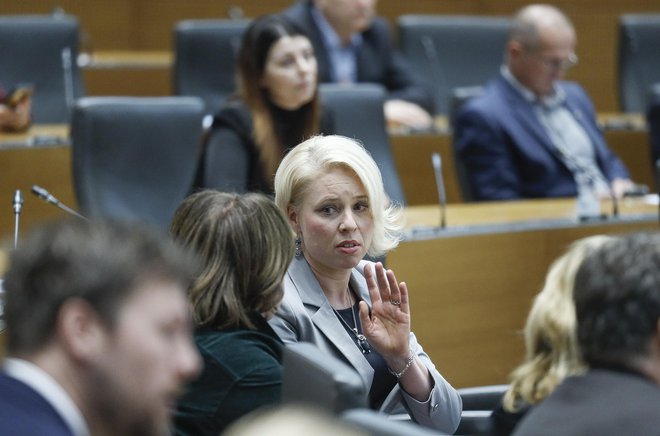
514	49
292	214
80	330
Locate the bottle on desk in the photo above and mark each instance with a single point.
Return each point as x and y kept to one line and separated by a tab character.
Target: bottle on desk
587	203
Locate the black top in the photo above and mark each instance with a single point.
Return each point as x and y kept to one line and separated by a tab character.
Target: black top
230	158
601	402
383	381
242	372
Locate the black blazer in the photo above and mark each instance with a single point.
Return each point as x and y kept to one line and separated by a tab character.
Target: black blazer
601	402
377	60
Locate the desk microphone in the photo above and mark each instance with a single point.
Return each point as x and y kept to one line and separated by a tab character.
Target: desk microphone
67	69
18	205
50	198
440	186
431	55
657	183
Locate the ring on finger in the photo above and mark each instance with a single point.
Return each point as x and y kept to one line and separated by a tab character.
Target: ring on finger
395	302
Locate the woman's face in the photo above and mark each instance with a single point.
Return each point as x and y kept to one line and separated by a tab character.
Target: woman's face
335	221
290	72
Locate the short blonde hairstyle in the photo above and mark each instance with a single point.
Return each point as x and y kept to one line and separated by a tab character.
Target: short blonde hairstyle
315	156
552	352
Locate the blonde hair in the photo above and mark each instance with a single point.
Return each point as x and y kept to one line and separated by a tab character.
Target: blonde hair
305	162
552	352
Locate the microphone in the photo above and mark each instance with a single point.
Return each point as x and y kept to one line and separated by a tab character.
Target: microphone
657	183
440	186
18	205
431	55
50	198
67	69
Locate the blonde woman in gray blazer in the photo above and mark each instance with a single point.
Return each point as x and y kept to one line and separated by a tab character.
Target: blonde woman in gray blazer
332	192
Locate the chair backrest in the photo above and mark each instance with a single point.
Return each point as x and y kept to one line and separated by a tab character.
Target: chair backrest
205	57
315	378
475	423
378	424
358	113
135	157
639	59
459	96
486	397
42	50
453	51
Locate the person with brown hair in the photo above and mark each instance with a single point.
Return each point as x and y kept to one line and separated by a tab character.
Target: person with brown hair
99	331
244	246
277	107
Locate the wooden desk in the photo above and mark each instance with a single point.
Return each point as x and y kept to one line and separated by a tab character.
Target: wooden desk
38	157
471	285
412	154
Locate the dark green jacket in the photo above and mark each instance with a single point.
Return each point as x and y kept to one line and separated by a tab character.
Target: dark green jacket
242	372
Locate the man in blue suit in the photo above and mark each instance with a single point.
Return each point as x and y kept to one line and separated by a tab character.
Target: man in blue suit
98	332
530	134
353	46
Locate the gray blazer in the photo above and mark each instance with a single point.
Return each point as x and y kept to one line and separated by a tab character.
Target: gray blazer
305	315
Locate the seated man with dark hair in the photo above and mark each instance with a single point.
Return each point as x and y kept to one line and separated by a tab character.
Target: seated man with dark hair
99	332
617	303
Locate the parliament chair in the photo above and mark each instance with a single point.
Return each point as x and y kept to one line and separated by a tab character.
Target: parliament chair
42	51
135	157
486	397
357	111
205	53
453	51
379	424
315	378
475	423
639	59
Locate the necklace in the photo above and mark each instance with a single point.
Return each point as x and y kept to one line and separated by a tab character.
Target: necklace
362	342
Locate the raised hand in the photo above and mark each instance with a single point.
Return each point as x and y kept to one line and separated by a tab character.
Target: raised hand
388	326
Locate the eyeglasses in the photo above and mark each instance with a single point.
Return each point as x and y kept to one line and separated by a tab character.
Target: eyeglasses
556	64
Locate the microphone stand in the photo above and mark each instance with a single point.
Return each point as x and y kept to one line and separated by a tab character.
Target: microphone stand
50	198
67	69
18	205
436	160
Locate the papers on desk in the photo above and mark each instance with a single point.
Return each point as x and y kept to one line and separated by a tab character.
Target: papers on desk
34	142
652	199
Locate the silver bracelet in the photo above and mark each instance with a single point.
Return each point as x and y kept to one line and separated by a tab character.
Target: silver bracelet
400	374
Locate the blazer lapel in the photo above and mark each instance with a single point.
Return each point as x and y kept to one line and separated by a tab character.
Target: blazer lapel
524	112
324	317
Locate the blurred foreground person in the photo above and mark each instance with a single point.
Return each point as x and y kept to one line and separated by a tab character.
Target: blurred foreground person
550	339
99	332
617	304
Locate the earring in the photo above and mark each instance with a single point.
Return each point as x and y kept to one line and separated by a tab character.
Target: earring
298	245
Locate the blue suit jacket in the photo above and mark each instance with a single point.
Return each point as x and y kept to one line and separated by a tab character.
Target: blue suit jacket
377	60
508	154
25	412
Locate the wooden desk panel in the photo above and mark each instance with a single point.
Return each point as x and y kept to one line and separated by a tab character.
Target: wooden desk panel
471	291
23	166
412	154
